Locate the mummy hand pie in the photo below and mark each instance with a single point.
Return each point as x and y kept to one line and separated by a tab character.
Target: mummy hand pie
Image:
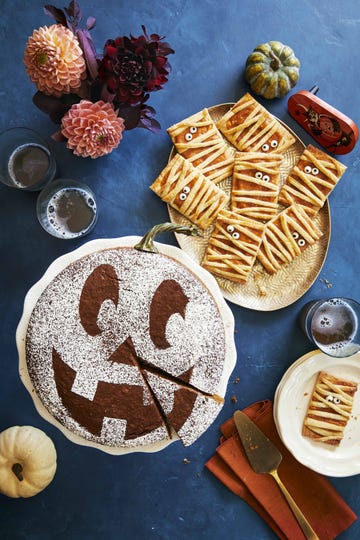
233	246
329	409
250	127
312	179
255	184
198	140
286	236
187	190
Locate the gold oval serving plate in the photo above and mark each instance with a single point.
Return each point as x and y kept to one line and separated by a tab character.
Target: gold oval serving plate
264	292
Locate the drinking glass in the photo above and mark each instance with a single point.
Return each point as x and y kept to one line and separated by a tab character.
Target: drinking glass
332	325
67	209
26	162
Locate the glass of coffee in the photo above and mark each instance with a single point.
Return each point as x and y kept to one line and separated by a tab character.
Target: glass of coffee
67	209
25	160
332	325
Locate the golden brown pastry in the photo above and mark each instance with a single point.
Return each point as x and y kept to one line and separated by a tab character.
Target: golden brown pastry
312	179
233	246
197	139
249	126
329	409
255	184
286	236
187	190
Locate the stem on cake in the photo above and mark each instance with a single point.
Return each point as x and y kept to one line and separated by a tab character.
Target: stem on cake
147	242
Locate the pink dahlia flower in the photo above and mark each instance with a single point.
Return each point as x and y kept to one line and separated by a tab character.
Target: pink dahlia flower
54	60
92	129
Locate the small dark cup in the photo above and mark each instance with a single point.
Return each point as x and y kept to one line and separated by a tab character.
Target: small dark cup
332	325
26	162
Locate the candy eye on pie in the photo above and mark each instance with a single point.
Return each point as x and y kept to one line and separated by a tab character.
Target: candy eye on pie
300	241
198	140
233	246
187	190
255	184
329	409
286	236
312	180
250	127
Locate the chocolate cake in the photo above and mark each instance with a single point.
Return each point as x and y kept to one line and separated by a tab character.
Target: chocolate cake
188	411
112	328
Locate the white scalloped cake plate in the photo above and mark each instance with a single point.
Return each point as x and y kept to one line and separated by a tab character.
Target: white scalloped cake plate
263	291
95	245
290	405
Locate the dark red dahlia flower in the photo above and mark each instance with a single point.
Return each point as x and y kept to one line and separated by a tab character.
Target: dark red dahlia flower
134	66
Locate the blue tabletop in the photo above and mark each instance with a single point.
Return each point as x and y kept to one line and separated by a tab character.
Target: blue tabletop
169	495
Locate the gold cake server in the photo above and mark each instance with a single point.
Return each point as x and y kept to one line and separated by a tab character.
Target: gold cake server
264	457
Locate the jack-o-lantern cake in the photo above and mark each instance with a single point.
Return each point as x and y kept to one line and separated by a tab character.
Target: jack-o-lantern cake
111	329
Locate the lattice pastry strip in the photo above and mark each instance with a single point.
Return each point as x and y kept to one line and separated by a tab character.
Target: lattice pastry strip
187	190
255	184
329	409
197	139
312	179
250	127
286	236
233	246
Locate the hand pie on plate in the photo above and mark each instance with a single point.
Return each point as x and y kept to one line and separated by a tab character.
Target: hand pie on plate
329	409
249	126
233	246
187	190
255	184
286	236
197	139
312	179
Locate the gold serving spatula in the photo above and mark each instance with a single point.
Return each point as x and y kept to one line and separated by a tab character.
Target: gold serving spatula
264	457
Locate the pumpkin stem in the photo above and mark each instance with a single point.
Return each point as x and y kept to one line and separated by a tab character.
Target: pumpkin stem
17	470
275	62
147	242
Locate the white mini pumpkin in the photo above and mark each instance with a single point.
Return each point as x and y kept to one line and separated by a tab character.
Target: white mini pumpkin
27	461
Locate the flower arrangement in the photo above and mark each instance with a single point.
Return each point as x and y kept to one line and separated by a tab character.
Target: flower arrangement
94	97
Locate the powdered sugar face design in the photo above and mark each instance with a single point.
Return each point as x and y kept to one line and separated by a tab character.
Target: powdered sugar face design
196	338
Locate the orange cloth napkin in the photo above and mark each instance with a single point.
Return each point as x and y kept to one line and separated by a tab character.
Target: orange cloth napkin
326	511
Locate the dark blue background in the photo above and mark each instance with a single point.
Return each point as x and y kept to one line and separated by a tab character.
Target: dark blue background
139	496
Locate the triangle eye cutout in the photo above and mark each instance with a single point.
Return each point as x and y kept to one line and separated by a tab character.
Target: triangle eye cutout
168	299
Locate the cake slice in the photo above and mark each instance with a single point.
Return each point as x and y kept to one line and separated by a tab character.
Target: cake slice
311	180
255	184
233	246
329	409
286	236
197	139
187	190
188	411
250	127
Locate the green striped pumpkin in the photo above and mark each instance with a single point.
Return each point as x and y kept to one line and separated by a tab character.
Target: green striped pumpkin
272	69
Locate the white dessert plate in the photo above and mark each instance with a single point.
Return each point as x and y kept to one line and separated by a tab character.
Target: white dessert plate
96	245
290	405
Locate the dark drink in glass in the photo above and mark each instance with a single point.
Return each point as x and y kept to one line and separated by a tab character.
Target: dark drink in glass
28	165
67	209
333	325
26	161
